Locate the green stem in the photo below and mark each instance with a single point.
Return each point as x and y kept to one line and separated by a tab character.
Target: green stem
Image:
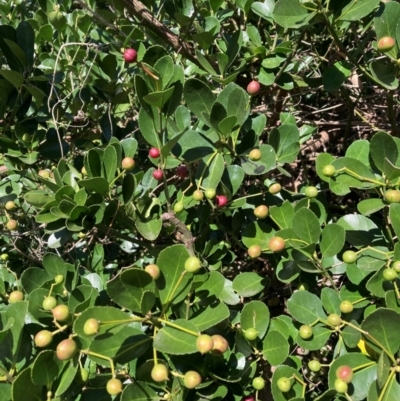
110	361
171	297
359	177
176	326
388	380
205	167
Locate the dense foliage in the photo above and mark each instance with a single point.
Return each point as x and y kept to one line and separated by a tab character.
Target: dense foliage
165	233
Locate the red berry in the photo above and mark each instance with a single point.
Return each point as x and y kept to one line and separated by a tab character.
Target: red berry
220	344
66	349
253	88
60	313
276	244
182	171
154	153
158	174
385	44
153	270
344	373
130	55
221	200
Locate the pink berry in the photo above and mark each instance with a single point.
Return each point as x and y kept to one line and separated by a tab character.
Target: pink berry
182	171
130	55
158	174
154	153
221	200
253	88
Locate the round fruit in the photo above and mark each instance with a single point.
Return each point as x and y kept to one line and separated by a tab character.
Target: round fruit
191	379
91	327
344	373
198	195
258	383
192	264
81	235
12	225
130	55
346	307
114	386
66	349
182	171
210	193
83	170
311	192
392	196
275	189
43	338
221	200
261	211
341	386
204	343
349	257
253	88
158	174
254	251
385	44
154	153
251	334
59	279
84	374
4	257
16	296
329	171
396	266
178	207
334	319
27	138
60	313
44	174
284	384
10	205
305	332
248	398
276	244
389	274
49	303
153	270
255	155
220	344
159	373
314	366
128	163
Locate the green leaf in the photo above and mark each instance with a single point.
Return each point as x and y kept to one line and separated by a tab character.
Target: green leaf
23	387
135	282
121	344
305	307
282	215
255	314
16	78
110	162
275	348
356	10
46	368
98	185
330	300
370	206
210	316
193	146
33	278
147	129
263	9
249	284
385	74
5	329
306	226
128	188
360	230
26	41
150	227
383	147
257	233
208	173
138	391
18	311
335	75
394	215
174	341
158	99
173	285
199	98
383	325
332	241
129	145
290	14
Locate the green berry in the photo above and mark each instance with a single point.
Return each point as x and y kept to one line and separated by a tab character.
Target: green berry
49	303
346	307
15	296
192	264
334	319
210	193
284	384
311	192
258	383
305	332
251	334
178	207
114	386
59	279
341	386
329	171
389	274
314	366
349	257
